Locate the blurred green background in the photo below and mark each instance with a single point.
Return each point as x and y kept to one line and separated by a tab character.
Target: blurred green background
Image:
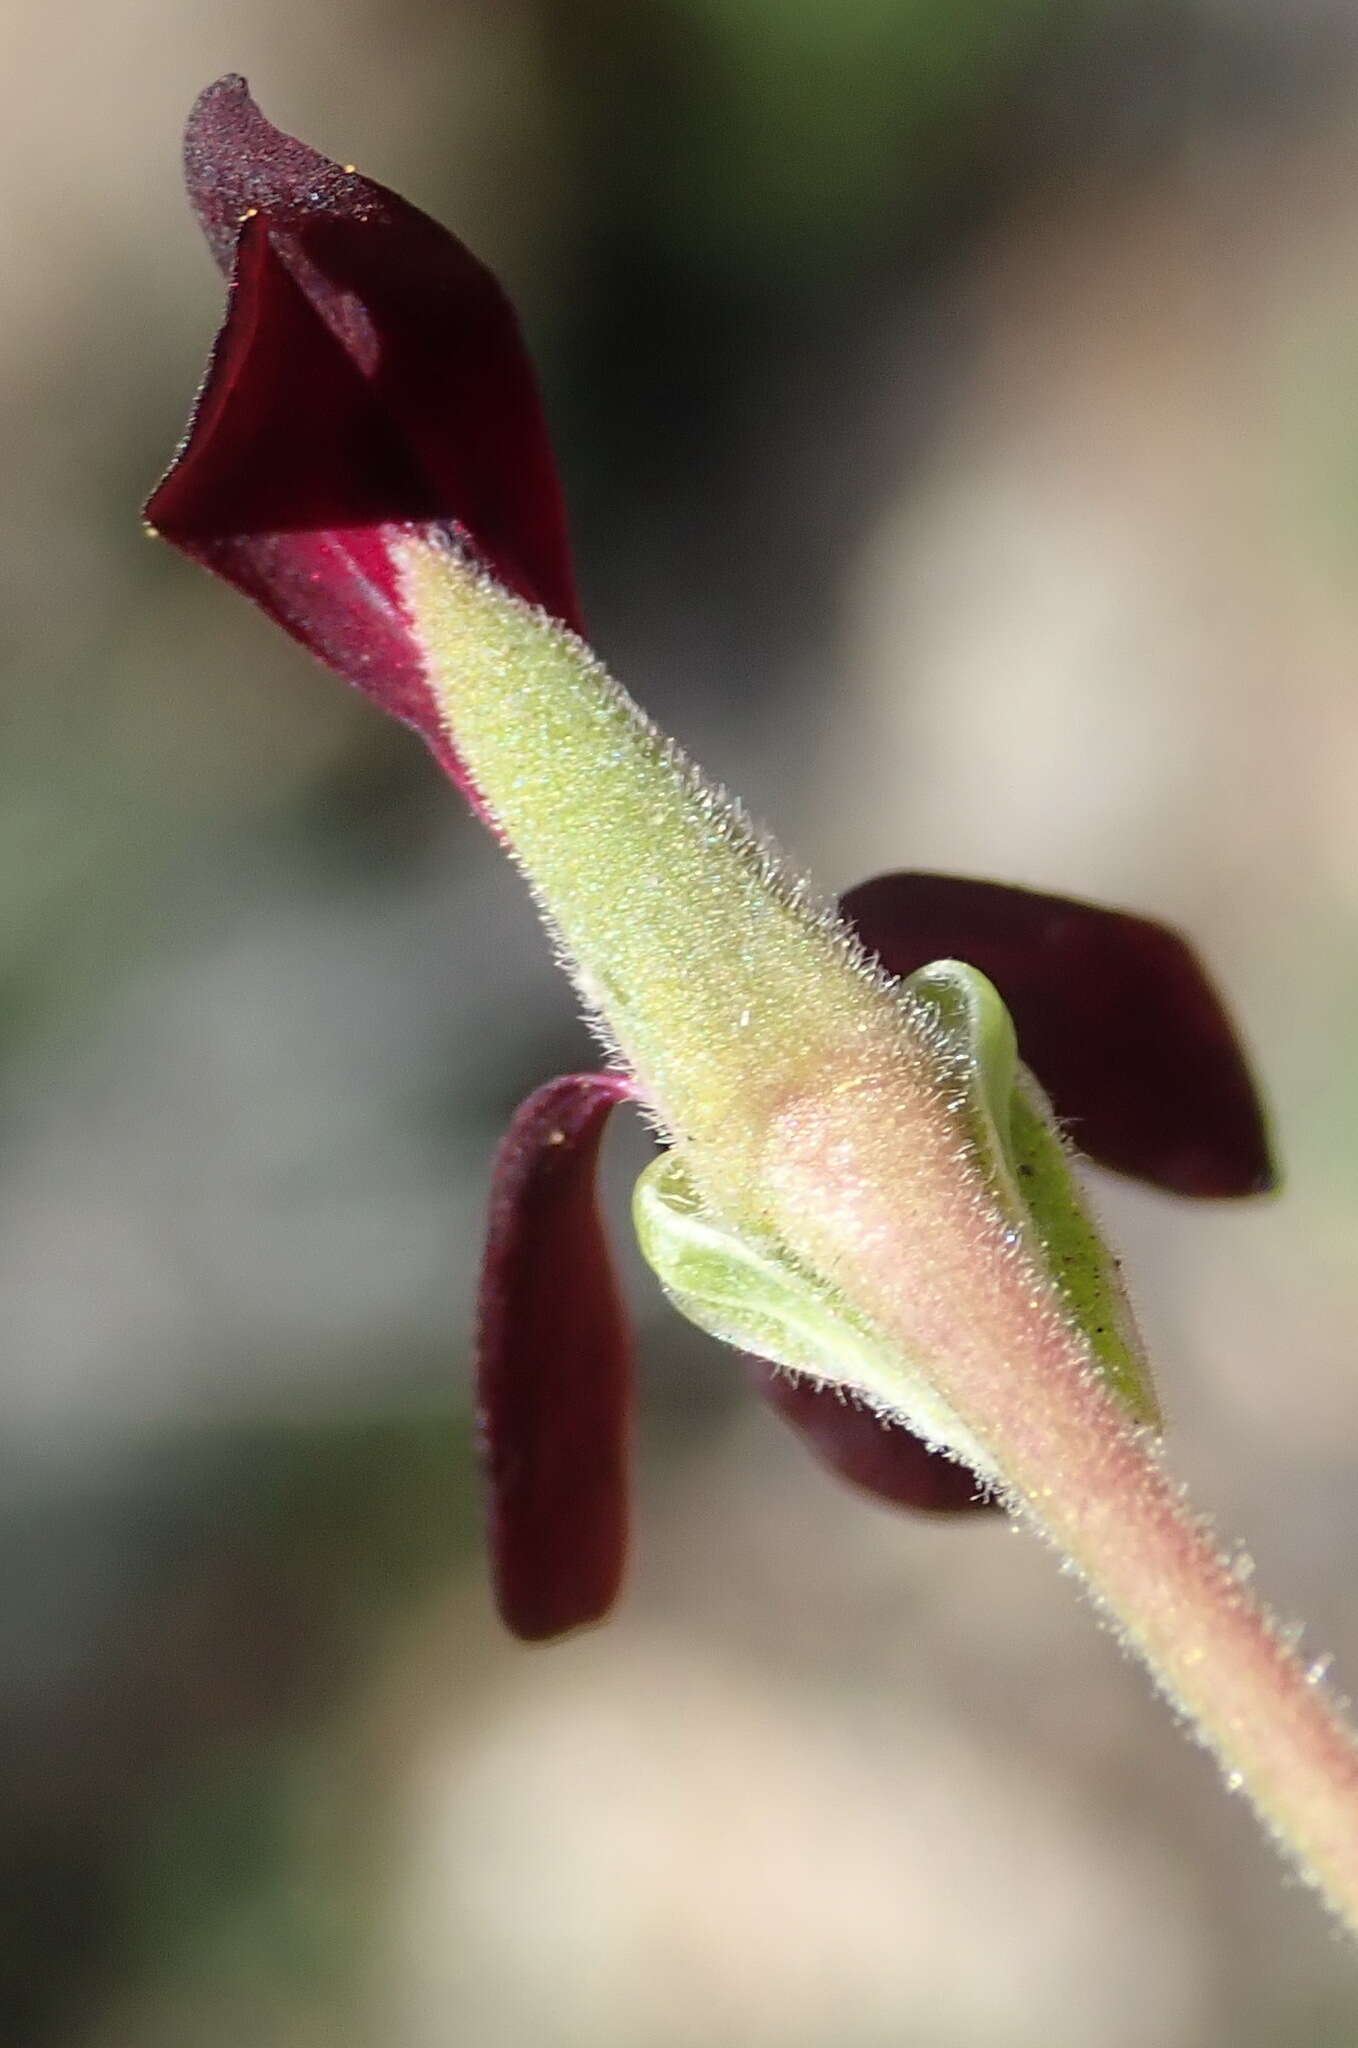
958	404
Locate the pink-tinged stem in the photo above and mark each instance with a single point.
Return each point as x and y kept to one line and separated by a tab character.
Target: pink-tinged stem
1213	1649
1085	1477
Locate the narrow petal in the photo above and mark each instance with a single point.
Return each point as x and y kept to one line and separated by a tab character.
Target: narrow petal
883	1458
1115	1015
554	1367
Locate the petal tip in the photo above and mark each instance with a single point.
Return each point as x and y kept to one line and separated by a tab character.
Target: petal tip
232	87
224	132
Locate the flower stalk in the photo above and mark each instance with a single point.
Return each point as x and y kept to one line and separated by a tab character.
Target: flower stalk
838	1146
864	1186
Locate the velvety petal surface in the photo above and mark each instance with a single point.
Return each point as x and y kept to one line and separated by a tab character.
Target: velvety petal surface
1115	1015
370	378
554	1367
883	1458
286	485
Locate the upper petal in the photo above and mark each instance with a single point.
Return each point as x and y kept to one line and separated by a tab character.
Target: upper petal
554	1367
291	485
1115	1015
422	320
369	381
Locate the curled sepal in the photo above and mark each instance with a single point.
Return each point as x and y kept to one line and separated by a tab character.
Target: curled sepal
1032	1175
762	1301
553	1368
1084	1271
1115	1014
873	1452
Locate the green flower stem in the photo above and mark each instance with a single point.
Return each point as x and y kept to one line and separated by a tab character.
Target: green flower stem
837	1122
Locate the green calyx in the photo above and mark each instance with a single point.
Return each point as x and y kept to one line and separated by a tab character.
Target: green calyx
745	1011
706	965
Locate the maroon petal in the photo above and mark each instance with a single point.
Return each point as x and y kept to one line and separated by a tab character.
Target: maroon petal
370	378
1114	1013
884	1458
554	1367
290	489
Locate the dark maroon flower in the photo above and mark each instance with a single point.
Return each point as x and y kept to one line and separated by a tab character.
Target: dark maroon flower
1120	1023
370	382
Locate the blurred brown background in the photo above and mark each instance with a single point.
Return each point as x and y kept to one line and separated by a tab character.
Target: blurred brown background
958	401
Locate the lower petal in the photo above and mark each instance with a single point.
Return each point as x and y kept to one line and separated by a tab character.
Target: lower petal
880	1456
554	1368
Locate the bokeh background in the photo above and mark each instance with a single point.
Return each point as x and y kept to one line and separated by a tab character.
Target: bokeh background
958	403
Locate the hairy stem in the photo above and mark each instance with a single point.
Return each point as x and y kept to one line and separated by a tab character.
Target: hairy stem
1079	1470
825	1118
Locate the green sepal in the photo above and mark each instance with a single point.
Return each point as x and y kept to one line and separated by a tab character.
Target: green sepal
764	1302
1033	1172
1083	1269
980	1035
